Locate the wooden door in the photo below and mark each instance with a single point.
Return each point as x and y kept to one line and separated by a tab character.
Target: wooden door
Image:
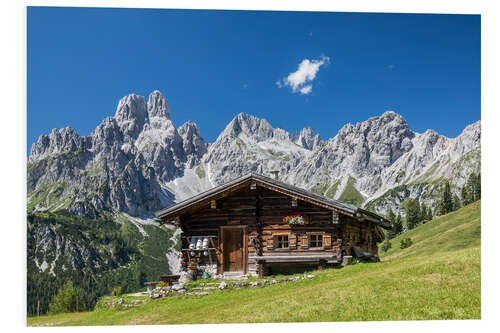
233	250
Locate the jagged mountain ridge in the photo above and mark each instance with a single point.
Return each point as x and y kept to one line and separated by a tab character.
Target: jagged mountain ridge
359	165
119	166
137	161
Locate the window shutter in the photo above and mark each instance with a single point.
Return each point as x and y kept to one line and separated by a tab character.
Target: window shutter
327	241
270	242
292	241
304	242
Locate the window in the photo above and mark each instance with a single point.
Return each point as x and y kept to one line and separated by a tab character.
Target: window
281	242
315	240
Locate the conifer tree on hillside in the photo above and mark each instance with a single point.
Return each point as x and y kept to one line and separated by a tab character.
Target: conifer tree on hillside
423	213
446	203
477	188
66	300
412	210
392	218
466	196
471	191
398	224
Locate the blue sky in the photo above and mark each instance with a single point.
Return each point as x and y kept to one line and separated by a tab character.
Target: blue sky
212	65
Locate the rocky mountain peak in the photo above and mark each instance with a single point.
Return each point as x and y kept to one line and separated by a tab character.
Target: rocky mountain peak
158	105
131	115
308	139
254	127
473	131
58	141
189	129
131	107
193	144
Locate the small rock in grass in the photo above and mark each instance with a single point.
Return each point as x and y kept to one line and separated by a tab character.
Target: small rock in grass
222	285
201	293
178	287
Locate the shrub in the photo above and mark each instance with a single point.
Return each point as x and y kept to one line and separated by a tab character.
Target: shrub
117	291
65	300
406	242
386	245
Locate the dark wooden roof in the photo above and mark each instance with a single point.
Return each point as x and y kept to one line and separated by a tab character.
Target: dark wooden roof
293	191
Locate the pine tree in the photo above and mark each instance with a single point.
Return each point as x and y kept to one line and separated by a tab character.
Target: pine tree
412	210
65	300
471	188
392	218
446	204
423	213
477	188
398	225
466	197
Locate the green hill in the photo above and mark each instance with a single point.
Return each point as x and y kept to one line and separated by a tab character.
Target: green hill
454	231
438	277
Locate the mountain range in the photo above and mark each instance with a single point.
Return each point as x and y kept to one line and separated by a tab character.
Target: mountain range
137	161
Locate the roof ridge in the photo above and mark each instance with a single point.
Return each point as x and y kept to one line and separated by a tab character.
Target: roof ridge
292	189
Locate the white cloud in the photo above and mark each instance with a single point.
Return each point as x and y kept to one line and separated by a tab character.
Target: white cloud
300	80
305	89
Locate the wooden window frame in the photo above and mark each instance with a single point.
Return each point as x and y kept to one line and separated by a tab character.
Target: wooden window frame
277	242
316	234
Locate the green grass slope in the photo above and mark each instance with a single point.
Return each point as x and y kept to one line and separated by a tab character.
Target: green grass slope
438	277
454	231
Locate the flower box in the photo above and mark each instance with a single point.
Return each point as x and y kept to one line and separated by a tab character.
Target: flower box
296	219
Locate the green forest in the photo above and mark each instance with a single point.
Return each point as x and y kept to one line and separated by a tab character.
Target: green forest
95	255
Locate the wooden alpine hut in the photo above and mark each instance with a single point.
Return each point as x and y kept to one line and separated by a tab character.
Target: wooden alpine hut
256	225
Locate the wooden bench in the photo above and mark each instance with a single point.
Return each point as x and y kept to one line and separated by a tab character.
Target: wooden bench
170	280
309	258
363	256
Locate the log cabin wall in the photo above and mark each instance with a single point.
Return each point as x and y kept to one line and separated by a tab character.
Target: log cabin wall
261	212
359	233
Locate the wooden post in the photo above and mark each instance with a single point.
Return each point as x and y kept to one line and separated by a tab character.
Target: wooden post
38	308
260	268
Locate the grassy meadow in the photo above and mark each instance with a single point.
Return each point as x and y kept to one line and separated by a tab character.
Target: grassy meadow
438	277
